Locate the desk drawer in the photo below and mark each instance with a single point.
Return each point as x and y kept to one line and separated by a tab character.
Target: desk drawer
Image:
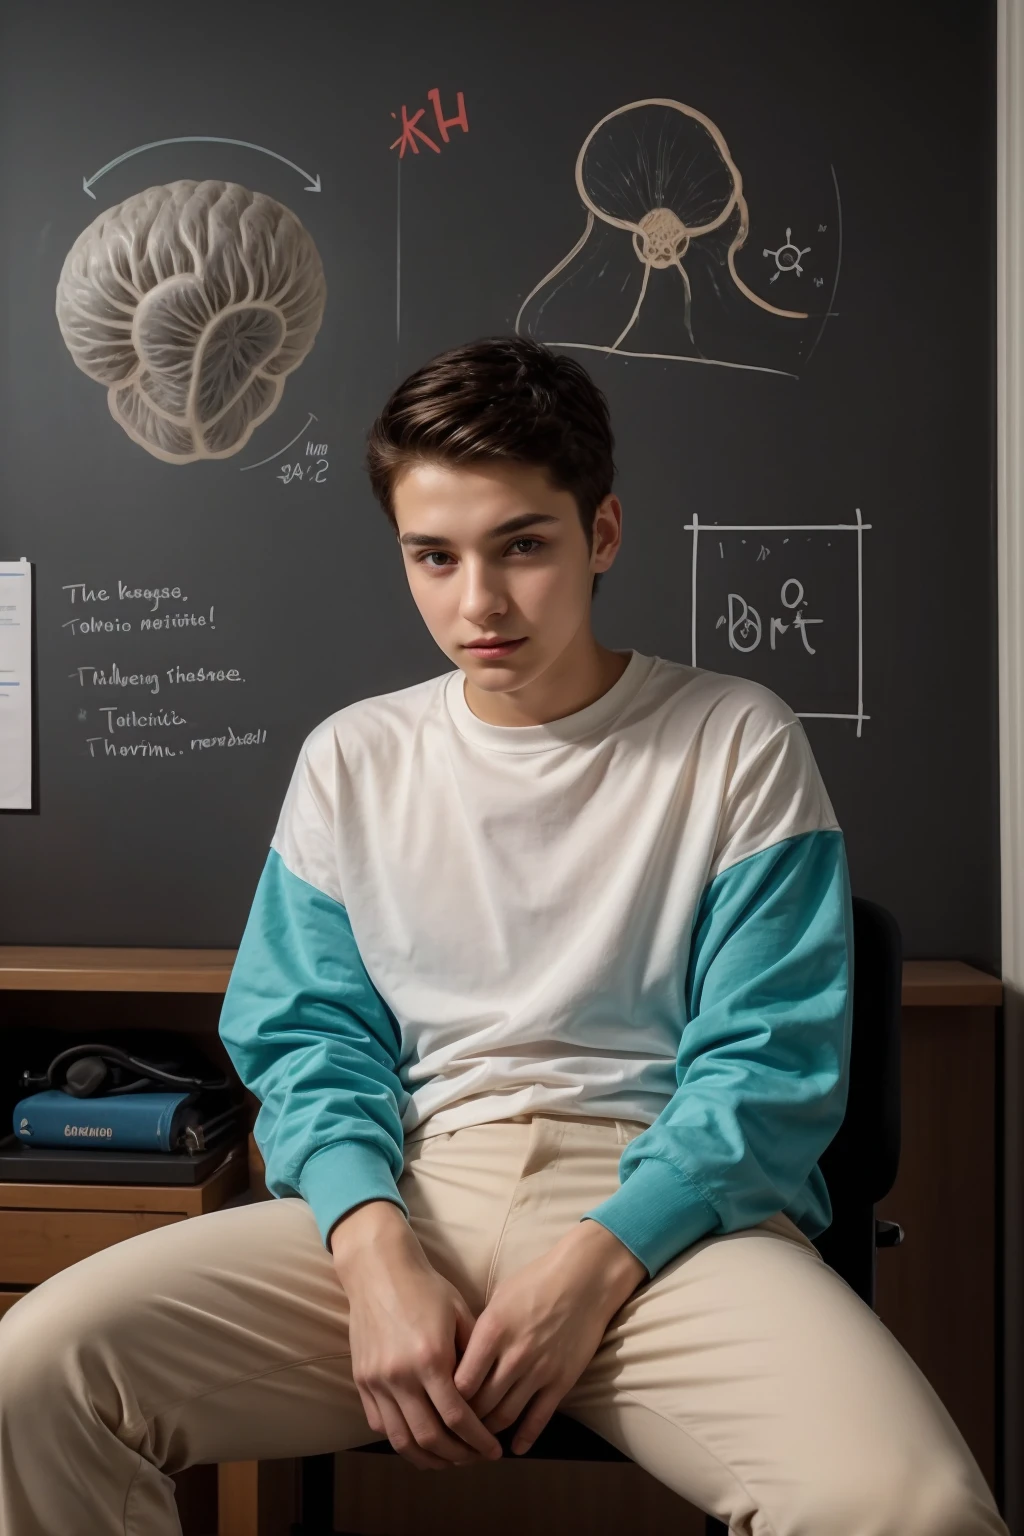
36	1244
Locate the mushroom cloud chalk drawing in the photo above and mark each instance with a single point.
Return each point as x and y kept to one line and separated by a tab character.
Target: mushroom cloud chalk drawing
191	303
662	172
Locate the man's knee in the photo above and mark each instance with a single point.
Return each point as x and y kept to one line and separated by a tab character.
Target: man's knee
30	1348
54	1341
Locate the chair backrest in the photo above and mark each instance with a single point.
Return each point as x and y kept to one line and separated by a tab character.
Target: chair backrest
861	1161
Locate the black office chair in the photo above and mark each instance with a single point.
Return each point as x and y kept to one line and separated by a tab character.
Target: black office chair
859	1167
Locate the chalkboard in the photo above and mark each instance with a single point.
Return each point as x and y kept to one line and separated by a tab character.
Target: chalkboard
801	386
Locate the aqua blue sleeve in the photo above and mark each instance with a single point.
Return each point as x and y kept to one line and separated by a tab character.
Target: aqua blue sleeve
763	1060
312	1038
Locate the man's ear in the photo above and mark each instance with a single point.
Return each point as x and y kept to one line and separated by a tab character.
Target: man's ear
610	504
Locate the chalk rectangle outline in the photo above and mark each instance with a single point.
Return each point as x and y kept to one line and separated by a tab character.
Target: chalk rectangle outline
859	528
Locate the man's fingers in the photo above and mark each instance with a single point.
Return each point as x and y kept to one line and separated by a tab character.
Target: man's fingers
465	1322
460	1419
424	1432
523	1394
490	1394
399	1432
537	1417
372	1412
475	1360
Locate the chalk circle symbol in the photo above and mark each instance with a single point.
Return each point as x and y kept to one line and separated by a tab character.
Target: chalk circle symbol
192	302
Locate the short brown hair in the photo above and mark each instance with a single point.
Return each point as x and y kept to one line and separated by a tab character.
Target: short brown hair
502	397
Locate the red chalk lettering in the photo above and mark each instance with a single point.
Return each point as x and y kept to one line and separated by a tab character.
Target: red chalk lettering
444	123
409	129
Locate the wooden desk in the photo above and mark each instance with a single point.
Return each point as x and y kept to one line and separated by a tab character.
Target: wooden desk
46	968
936	1292
48	1227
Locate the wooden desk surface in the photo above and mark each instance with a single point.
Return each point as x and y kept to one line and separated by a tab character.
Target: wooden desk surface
57	968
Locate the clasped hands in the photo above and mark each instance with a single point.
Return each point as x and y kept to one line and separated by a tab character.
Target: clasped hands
542	1327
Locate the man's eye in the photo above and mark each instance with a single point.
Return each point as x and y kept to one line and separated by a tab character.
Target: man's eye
431	553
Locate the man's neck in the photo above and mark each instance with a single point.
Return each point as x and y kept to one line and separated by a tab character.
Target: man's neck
564	689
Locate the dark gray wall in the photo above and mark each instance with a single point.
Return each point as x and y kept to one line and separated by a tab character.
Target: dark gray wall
877	115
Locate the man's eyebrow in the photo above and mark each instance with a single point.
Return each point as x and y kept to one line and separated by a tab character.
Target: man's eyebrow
525	520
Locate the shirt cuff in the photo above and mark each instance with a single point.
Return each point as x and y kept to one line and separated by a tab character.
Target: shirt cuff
343	1175
657	1213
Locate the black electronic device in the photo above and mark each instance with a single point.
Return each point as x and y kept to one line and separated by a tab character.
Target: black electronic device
100	1070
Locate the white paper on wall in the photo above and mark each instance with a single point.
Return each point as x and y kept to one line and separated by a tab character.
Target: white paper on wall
15	685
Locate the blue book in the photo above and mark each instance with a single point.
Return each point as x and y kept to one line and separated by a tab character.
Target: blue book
127	1122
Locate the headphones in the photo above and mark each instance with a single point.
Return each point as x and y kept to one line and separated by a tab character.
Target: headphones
92	1071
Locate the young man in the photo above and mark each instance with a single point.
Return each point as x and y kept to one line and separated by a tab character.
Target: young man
545	995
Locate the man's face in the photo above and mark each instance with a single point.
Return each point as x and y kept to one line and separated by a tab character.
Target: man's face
469	581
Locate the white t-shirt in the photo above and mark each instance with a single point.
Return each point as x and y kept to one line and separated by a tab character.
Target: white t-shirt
523	896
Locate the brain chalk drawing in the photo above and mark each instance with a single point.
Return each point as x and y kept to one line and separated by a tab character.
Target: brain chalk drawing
661	172
191	303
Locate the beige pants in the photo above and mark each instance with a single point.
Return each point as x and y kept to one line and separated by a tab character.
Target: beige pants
747	1376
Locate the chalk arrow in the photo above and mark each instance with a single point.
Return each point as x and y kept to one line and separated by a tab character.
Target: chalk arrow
312	182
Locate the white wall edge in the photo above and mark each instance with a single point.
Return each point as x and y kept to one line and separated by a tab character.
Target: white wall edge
1010	537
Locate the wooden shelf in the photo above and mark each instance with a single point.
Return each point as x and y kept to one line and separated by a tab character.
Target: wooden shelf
229	1178
54	968
944	984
